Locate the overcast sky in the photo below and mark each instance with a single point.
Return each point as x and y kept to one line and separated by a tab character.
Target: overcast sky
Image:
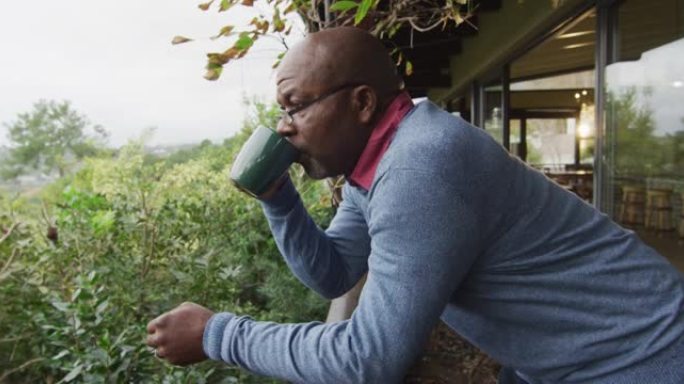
658	78
114	61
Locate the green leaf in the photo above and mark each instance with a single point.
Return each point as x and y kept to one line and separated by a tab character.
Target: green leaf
181	276
62	307
101	355
278	23
409	68
72	375
225	5
102	307
76	294
76	323
213	72
244	42
343	5
361	13
63	353
102	222
290	8
276	64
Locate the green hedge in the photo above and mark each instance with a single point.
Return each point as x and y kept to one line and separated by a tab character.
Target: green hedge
138	235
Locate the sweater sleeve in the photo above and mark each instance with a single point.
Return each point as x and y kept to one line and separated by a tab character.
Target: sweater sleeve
423	243
329	262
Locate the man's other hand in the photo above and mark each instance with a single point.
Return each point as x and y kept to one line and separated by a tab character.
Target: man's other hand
177	335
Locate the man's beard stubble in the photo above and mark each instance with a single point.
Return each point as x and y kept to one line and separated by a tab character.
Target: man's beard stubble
313	168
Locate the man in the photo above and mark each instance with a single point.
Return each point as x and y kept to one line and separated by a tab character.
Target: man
447	225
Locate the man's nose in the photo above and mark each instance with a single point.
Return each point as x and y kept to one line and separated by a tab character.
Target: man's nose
285	129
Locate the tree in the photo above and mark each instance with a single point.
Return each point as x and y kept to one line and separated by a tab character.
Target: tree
640	151
51	137
676	142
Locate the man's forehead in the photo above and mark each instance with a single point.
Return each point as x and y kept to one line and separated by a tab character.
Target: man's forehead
303	62
292	66
286	72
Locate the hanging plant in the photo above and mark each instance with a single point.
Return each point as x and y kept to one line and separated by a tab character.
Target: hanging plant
382	19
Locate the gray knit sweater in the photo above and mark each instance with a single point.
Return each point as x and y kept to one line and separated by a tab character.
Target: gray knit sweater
454	227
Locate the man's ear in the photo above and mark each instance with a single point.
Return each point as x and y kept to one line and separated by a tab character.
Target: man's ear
366	101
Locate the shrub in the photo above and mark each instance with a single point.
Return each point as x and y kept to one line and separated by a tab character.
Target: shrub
137	236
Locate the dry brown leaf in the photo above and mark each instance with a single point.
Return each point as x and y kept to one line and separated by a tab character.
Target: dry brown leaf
180	40
205	6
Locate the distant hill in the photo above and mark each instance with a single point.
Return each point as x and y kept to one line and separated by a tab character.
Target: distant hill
165	150
37	179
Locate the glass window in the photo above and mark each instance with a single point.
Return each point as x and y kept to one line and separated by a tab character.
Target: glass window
516	139
551	143
493	116
552	95
645	122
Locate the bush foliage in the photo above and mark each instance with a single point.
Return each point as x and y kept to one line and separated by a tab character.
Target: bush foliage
136	236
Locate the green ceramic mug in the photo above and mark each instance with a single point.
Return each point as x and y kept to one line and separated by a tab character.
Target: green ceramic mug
262	160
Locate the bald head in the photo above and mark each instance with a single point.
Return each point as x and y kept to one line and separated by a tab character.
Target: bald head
342	55
334	87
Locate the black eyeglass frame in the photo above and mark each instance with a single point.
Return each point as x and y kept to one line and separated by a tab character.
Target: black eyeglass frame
288	115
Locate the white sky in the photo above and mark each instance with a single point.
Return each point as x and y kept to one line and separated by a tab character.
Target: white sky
660	71
114	61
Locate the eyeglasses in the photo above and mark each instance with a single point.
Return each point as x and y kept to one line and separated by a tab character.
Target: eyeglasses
288	115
